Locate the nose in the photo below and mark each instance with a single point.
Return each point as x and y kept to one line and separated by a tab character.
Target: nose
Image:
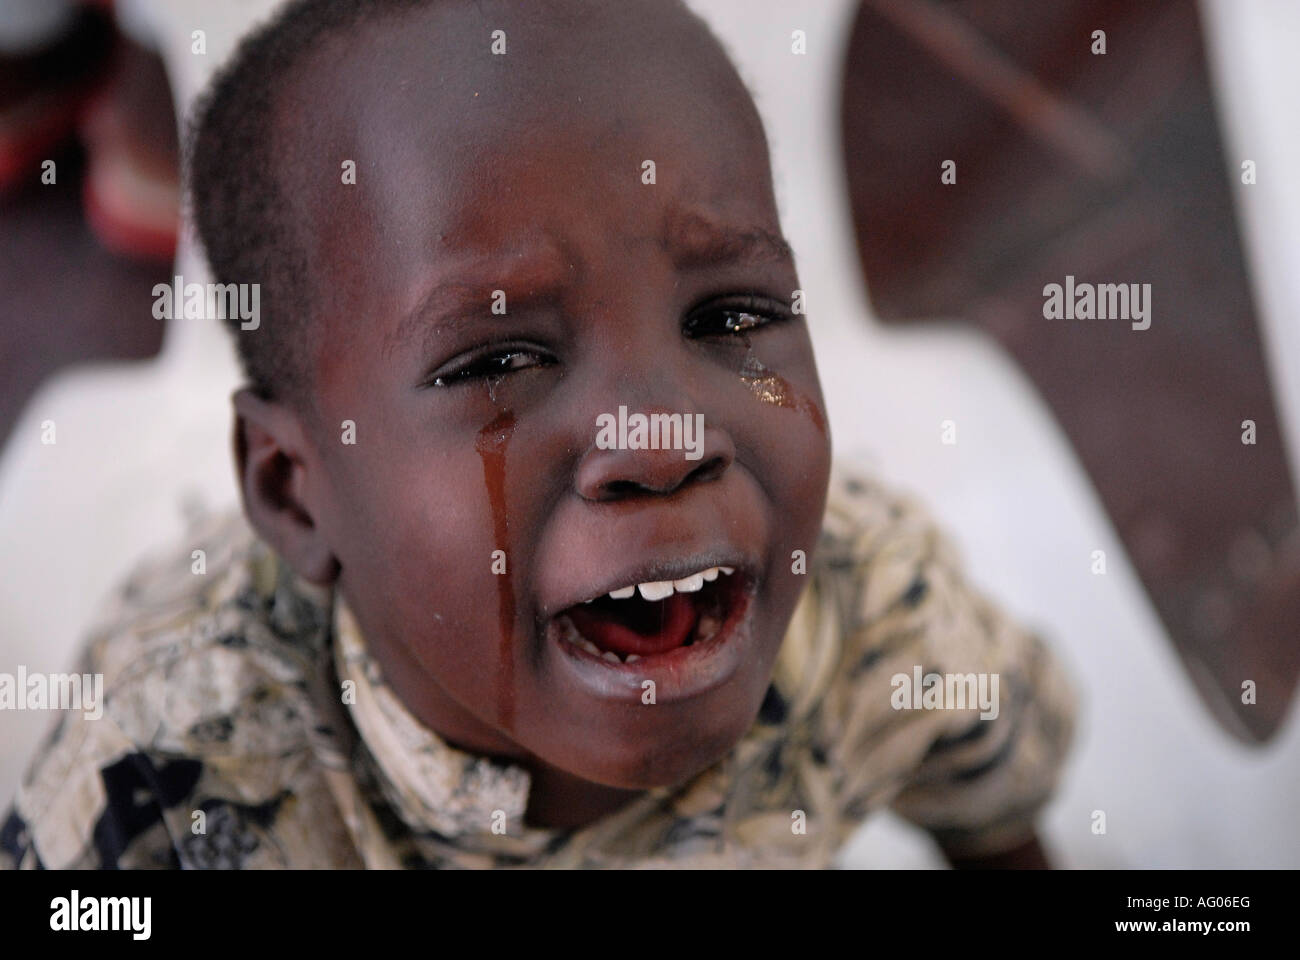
631	469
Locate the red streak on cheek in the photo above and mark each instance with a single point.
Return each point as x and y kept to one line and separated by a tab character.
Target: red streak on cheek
491	447
770	387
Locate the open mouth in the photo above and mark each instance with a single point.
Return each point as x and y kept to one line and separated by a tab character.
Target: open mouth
656	619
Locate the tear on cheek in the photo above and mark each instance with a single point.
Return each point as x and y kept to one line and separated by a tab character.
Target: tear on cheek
770	387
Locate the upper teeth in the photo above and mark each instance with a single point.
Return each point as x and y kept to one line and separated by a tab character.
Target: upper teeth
662	589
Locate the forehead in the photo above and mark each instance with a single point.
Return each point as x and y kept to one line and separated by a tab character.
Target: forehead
426	110
464	156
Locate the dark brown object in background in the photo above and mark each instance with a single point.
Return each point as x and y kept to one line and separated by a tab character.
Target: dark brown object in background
1109	168
64	299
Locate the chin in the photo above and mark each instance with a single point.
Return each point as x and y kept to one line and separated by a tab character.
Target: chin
677	749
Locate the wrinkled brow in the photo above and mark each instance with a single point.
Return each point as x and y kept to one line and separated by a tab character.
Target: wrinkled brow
465	297
691	238
694	239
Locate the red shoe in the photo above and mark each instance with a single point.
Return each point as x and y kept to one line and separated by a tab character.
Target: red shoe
132	204
32	130
42	94
131	190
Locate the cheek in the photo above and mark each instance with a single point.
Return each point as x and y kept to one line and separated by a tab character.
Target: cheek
798	476
422	541
787	431
444	555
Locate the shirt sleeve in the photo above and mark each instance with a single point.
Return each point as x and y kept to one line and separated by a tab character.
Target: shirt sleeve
973	750
92	800
214	737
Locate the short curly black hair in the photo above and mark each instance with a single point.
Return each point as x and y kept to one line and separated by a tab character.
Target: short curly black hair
236	192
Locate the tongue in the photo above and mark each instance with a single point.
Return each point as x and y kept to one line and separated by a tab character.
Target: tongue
666	632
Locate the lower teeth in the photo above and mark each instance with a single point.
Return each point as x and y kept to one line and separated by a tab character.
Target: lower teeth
578	640
705	629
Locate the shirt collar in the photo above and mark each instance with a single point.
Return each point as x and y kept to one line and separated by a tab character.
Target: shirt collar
431	785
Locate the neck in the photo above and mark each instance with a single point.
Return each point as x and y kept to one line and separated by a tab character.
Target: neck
559	800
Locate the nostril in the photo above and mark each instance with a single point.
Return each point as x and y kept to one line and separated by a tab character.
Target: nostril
710	469
623	488
705	472
605	473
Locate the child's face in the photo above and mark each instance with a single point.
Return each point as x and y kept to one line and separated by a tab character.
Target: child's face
476	430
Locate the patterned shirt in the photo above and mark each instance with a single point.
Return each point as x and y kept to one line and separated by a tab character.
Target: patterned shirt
225	742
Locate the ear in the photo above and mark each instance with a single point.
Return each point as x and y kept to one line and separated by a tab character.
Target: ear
273	460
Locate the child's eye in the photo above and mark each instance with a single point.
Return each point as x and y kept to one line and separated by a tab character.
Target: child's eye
732	317
496	363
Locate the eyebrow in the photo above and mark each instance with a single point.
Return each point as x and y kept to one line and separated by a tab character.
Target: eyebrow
692	239
530	277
